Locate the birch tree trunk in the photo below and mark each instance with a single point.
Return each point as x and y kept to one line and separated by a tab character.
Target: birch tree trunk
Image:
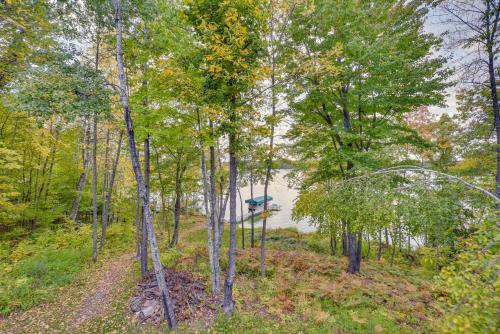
228	304
208	217
155	254
214	218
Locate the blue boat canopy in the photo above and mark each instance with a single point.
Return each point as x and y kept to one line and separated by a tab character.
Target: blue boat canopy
258	200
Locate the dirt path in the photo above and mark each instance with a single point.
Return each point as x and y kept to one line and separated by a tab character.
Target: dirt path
77	303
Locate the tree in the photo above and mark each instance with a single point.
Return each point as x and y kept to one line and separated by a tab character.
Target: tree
475	29
230	32
160	277
354	80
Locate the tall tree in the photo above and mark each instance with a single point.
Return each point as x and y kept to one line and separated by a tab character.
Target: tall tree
158	267
231	34
358	73
475	29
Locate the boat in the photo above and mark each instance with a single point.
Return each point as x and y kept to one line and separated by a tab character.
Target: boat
257	203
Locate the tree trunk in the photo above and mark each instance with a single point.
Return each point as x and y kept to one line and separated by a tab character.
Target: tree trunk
353	246
496	114
83	176
177	206
162	195
138	215
242	224
252	212
345	250
51	165
94	193
358	250
208	217
158	268
105	175
393	237
333	242
228	304
107	200
145	206
105	180
214	219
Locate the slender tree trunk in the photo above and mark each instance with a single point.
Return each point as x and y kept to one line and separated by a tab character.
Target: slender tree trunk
496	114
177	206
94	193
228	304
358	250
83	176
51	165
208	216
145	206
214	219
222	215
95	220
333	242
158	268
393	237
242	224
105	179
252	212
138	215
109	193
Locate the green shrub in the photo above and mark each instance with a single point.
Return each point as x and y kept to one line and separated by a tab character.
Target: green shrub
469	286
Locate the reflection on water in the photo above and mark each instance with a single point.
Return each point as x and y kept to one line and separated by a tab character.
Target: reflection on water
282	195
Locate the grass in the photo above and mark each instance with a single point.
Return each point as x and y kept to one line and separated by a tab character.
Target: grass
305	290
33	270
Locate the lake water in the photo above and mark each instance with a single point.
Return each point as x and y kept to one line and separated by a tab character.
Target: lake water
282	195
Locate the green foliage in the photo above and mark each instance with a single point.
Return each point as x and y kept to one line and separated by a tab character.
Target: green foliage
469	286
32	270
63	86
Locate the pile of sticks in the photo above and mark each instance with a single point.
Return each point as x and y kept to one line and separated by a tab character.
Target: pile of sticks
187	292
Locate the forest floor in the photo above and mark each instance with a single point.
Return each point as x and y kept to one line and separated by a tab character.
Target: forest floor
305	291
87	298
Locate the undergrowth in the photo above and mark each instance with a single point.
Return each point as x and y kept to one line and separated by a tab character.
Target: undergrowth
33	269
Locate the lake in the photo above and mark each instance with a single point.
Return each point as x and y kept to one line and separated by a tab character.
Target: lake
282	195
